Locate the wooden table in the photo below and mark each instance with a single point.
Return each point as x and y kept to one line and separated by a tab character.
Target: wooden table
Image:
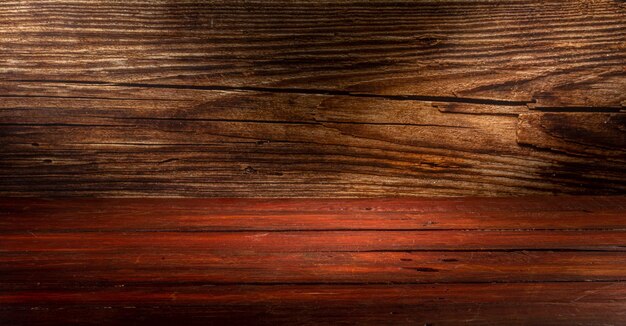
490	261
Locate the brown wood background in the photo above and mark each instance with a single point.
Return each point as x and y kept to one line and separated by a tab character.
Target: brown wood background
312	98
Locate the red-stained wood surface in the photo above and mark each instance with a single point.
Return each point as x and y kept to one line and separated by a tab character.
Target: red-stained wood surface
194	214
586	303
493	261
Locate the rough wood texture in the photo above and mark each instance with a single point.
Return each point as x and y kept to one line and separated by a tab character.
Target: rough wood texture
515	261
312	98
550	51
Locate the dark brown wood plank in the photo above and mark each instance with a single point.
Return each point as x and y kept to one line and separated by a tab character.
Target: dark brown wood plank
135	141
552	52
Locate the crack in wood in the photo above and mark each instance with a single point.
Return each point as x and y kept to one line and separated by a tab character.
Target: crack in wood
290	90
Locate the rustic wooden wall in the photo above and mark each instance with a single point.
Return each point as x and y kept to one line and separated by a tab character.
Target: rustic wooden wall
312	98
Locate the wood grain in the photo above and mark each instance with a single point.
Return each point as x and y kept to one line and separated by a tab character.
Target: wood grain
549	51
277	98
574	132
433	304
485	261
281	98
19	215
198	143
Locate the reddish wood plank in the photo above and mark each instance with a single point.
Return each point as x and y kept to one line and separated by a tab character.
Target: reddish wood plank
439	304
486	261
313	241
43	215
588	292
159	265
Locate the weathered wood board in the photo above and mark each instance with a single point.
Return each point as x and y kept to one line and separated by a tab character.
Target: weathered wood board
312	98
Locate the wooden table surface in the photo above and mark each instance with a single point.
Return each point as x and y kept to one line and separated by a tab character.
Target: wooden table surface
485	261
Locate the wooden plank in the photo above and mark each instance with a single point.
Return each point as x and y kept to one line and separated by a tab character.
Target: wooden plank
195	214
252	265
293	241
551	52
583	292
66	264
128	240
134	141
439	304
